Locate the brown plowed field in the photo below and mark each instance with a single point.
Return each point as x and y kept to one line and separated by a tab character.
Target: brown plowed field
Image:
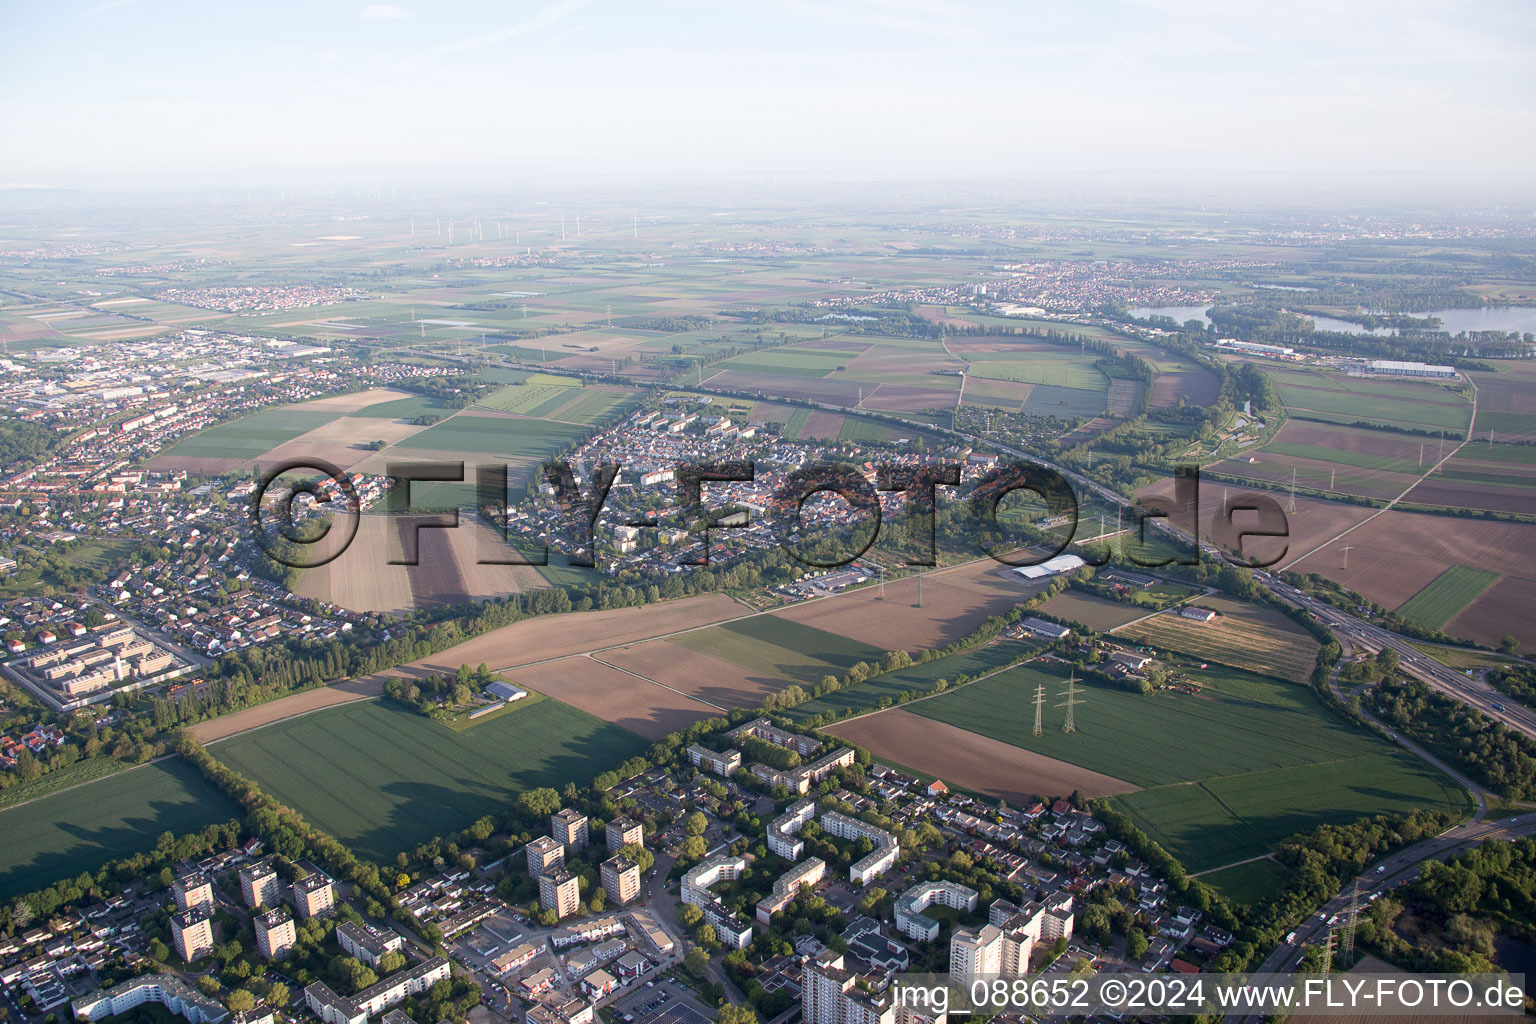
547	637
1504	608
1196	388
979	764
814	389
1498	547
1461	494
289	707
823	425
1314	521
342	442
625	700
909	398
710	679
948	613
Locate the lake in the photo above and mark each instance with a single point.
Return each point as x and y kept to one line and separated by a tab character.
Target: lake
1452	321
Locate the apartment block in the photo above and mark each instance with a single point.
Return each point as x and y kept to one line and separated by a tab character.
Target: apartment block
192	889
367	945
569	827
719	762
313	896
275	933
375	999
621	880
258	885
781	833
559	892
624	832
545	855
192	932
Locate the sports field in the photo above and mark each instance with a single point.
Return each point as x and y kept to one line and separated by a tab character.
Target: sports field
381	778
80	829
1228	773
1446	595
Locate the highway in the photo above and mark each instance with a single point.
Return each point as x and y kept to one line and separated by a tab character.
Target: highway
1402	866
1467	689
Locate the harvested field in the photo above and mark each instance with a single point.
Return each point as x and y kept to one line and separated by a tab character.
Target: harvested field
1315	520
822	426
1447	596
977	763
983	576
948	613
695	673
815	389
1243	636
1504	608
343	442
548	637
1196	388
356	400
622	698
290	707
909	398
1405	550
1123	395
1090	610
362	578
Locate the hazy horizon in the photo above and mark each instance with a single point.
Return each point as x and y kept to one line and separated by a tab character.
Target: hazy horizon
133	94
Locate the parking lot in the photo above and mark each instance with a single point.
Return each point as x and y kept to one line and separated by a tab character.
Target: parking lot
661	1002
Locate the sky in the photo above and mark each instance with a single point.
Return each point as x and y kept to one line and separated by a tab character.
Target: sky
140	93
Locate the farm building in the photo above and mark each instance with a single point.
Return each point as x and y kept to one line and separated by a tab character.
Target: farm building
1050	567
1049	630
1197	614
1134	662
506	691
1398	368
1126	578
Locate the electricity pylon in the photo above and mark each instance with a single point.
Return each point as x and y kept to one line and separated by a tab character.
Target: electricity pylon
1040	710
1071	703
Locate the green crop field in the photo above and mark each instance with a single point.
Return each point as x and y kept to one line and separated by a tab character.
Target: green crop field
1267	759
1249	883
1446	595
80	829
866	696
855	429
779	647
381	778
524	398
253	435
405	409
1067	372
1064	403
1338	399
495	435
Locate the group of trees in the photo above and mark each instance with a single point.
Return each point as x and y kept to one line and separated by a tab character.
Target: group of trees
1484	749
436	695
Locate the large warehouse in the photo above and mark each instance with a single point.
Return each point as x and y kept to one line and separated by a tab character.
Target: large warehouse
1050	567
